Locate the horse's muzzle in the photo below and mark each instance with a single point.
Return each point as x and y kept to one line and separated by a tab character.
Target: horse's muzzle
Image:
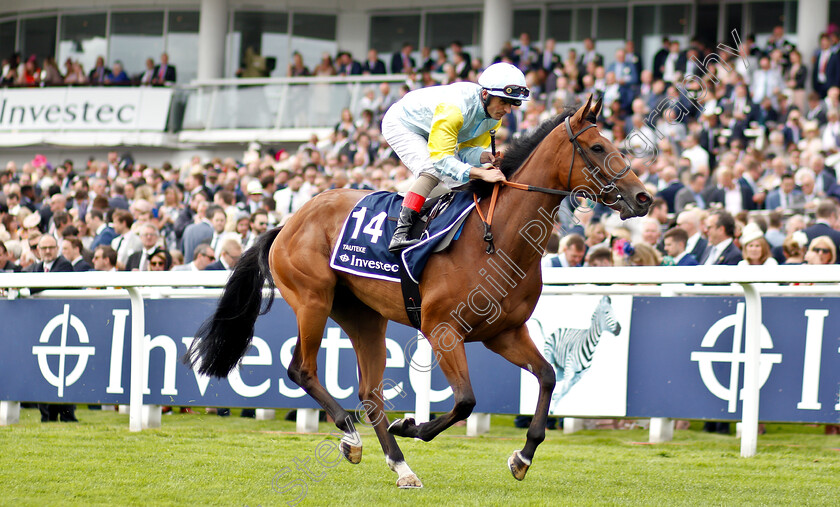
637	206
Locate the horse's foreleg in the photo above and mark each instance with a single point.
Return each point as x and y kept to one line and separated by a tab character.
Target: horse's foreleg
517	347
453	363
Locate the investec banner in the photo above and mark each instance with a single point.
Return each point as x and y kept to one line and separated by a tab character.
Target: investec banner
79	351
620	356
70	108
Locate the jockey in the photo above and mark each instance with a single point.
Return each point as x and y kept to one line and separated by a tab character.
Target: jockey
441	133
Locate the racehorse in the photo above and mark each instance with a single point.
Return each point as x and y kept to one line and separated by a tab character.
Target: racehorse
564	154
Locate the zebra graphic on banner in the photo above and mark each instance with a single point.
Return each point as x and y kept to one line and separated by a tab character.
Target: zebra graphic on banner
570	351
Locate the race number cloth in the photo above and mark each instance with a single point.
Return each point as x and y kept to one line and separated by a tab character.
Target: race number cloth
362	248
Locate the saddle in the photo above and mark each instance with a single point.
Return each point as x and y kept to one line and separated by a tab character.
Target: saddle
362	246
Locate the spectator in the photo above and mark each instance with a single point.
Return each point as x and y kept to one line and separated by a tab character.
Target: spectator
104	233
675	243
126	242
7	264
325	67
346	65
76	75
755	247
692	195
297	68
821	251
164	73
826	223
160	260
99	73
147	77
202	257
71	249
230	250
105	258
402	61
572	248
794	248
373	65
720	228
199	232
786	196
51	76
117	76
139	261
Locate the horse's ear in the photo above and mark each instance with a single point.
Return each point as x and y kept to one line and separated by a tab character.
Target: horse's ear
596	110
583	112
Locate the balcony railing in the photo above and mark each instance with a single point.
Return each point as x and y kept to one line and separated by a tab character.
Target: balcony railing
274	103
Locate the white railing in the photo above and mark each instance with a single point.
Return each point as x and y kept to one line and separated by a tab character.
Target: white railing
751	281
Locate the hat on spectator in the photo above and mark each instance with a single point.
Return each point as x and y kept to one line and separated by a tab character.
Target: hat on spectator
811	125
750	233
33	220
242	215
254	187
39	160
801	238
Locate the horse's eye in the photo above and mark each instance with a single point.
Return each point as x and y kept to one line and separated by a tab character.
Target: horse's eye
598	148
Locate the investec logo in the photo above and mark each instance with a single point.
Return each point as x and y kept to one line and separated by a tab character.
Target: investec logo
727	389
64	323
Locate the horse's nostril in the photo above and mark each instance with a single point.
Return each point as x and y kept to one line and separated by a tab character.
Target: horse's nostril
643	198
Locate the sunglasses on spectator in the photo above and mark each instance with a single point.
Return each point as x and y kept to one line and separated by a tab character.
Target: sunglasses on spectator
211	257
157	263
822	250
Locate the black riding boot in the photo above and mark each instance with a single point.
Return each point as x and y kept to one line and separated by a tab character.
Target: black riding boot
400	240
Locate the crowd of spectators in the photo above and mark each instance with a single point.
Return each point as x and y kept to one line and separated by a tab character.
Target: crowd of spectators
27	72
741	160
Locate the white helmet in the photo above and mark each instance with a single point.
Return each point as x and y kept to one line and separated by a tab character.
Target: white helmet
504	80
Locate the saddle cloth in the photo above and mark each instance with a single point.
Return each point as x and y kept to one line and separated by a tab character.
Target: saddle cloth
362	248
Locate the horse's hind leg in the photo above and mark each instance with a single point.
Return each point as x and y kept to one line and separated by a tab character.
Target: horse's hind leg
366	330
517	347
312	318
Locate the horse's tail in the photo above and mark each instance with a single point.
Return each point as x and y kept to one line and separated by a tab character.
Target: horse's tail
224	338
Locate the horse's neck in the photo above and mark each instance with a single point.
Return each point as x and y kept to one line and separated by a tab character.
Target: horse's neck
519	209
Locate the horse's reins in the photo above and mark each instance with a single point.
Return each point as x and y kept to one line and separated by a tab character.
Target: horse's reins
592	169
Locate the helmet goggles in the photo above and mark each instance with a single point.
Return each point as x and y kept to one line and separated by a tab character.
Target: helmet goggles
513	91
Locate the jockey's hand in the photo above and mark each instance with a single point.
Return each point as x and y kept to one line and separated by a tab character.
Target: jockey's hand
488	158
487	173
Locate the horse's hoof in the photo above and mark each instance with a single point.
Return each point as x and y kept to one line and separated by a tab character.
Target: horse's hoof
518	465
409	481
351	448
400	427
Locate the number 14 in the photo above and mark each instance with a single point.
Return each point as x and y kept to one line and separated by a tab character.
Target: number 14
373	227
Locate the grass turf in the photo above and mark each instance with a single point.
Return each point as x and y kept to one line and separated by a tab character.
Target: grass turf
206	459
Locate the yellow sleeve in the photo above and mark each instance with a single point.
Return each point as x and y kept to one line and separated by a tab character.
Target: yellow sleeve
443	134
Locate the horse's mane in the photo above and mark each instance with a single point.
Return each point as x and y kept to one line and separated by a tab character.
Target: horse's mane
520	149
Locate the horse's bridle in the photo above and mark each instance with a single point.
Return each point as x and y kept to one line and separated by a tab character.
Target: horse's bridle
607	186
591	169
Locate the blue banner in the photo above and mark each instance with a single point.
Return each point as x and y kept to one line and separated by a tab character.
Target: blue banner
78	351
687	358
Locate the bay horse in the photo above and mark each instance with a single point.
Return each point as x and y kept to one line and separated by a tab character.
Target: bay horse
296	259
